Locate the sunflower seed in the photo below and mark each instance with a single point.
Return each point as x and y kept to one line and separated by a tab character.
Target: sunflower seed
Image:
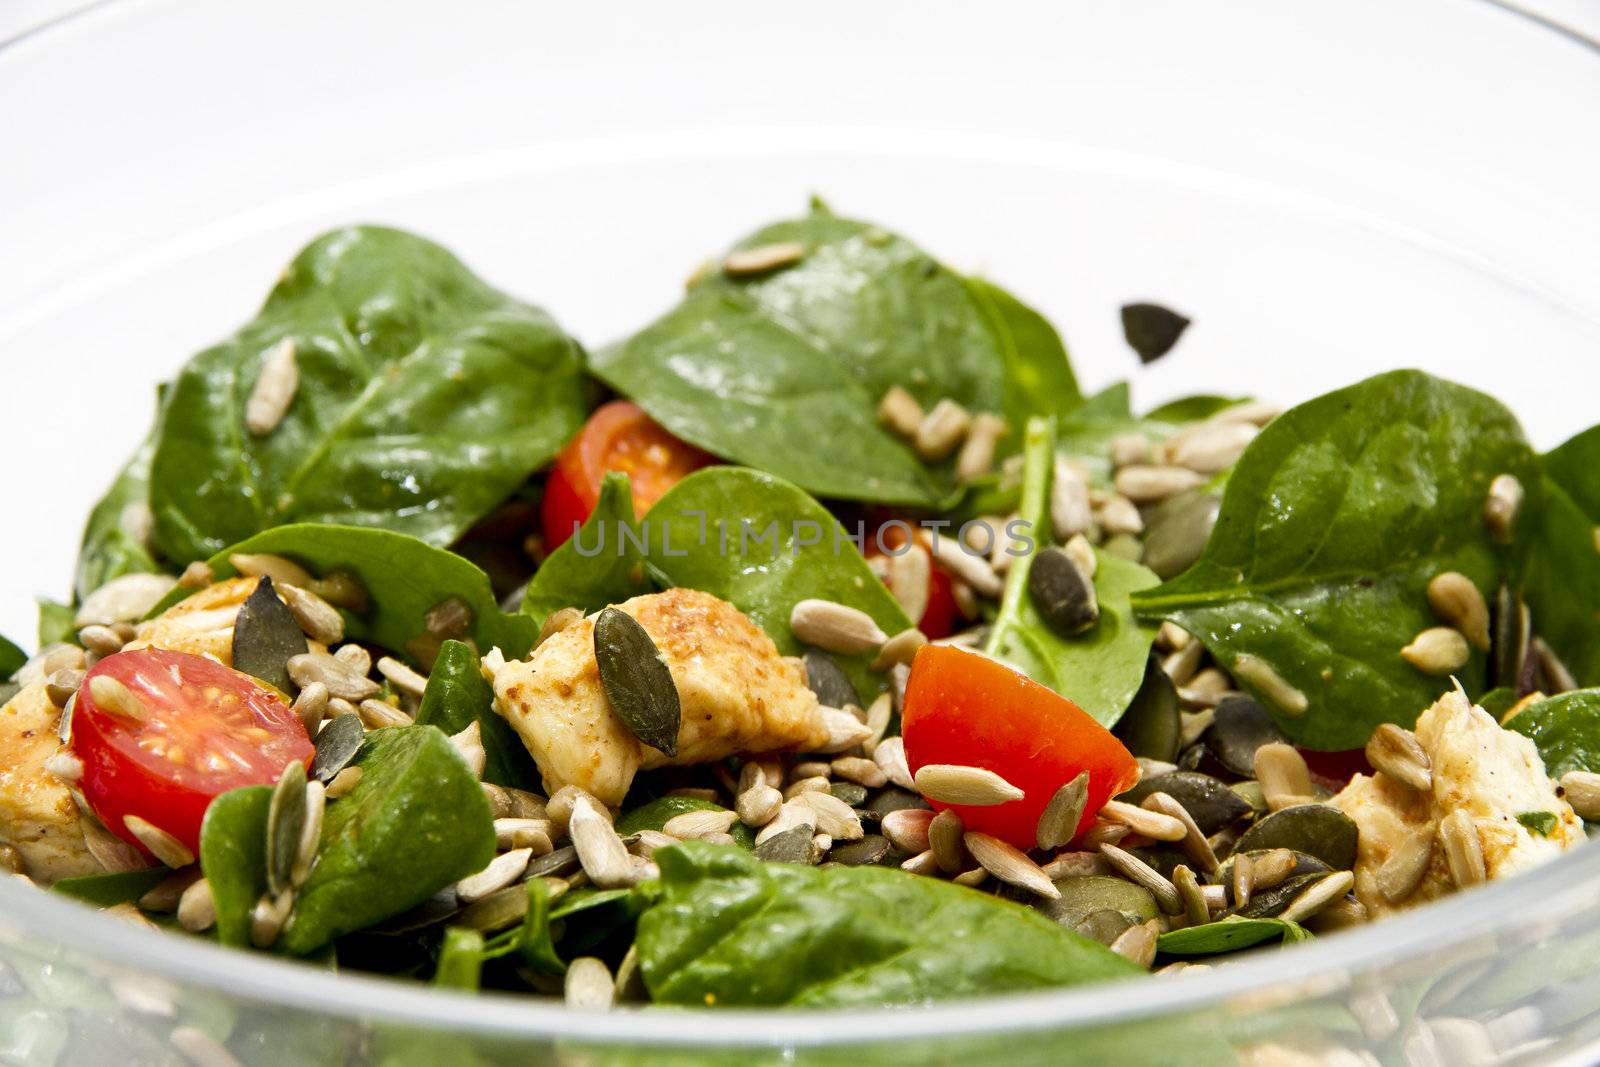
532	834
286	824
281	570
1211	447
1151	824
763	258
1142	874
114	698
64	765
1119	517
1269	869
556	622
1194	843
310	835
1582	791
1438	650
1463	849
900	648
403	678
977	453
1456	599
891	756
861	771
1285	779
162	845
973	570
845	731
600	851
1102	833
1395	751
923	863
1061	593
469	743
1402	872
274	390
941	430
502	871
696	825
909	574
758	805
900	412
125	599
560	806
1269	684
879	712
1318	895
267	918
169	891
951	783
318	619
200	1048
1144	484
588	985
449	619
1009	864
1070	513
907	829
1195	908
337	744
1501	505
835	627
1181	665
376	715
1205	690
794	845
354	657
1242	879
833	816
1059	822
1129	448
197	909
497	911
341	680
1138	943
945	834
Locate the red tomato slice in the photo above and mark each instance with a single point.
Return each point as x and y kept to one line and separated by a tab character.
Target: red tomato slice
619	436
965	708
939	618
209	729
1333	770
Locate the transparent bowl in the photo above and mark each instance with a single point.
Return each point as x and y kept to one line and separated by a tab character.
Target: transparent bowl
1329	190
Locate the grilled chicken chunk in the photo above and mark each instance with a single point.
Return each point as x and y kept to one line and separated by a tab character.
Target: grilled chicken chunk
1492	773
202	623
37	815
737	693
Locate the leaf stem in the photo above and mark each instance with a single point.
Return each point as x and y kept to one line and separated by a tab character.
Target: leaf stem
1038	466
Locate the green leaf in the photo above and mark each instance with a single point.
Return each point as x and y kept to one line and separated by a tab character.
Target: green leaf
111	550
425	398
1099	670
56	623
1565	729
12	658
589	571
1229	935
404	578
743	362
1498	701
457	696
1193	408
105	890
1333	523
1540	823
729	930
1561	561
533	941
416	822
233	857
655	814
460	960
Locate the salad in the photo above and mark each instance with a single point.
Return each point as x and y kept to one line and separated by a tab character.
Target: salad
762	656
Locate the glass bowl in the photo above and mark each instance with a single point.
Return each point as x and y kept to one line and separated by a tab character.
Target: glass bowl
1329	190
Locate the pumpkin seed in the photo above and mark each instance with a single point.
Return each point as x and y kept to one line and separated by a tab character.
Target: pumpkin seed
286	824
827	680
1239	726
1315	829
1270	903
266	636
945	838
886	801
1151	726
497	911
1082	896
1513	633
1058	824
337	744
1177	531
1555	676
636	681
870	851
793	845
1208	801
560	863
1063	597
951	783
850	793
1104	926
1151	330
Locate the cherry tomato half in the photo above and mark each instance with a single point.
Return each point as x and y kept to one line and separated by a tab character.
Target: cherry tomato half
619	436
1333	770
205	729
965	708
939	618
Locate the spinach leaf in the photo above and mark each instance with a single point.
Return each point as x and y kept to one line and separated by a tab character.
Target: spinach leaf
233	857
12	658
592	569
457	696
731	930
1099	670
404	579
1229	935
743	361
110	548
1565	729
415	823
104	890
532	939
460	960
1498	701
655	814
1333	523
1193	408
425	398
57	623
763	545
1561	558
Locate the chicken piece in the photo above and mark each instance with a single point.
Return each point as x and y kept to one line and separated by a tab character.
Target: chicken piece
1491	773
737	693
201	624
37	815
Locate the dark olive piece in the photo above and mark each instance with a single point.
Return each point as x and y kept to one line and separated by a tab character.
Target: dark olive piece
1062	596
1240	726
1151	329
828	680
266	637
